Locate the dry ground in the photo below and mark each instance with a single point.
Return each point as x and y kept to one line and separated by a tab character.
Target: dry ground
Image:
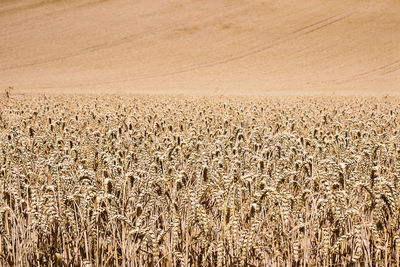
209	46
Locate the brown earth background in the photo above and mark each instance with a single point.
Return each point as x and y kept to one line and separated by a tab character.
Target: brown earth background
201	46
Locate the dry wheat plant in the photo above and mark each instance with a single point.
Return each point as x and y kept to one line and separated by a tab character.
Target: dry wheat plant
199	181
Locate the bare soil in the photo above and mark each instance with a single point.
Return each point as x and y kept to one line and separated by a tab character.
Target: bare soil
201	47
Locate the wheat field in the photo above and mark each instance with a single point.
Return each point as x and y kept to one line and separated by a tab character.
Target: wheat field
199	181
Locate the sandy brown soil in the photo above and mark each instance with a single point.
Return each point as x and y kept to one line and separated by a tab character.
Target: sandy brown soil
207	46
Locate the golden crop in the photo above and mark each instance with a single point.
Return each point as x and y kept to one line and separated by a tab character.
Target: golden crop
199	181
